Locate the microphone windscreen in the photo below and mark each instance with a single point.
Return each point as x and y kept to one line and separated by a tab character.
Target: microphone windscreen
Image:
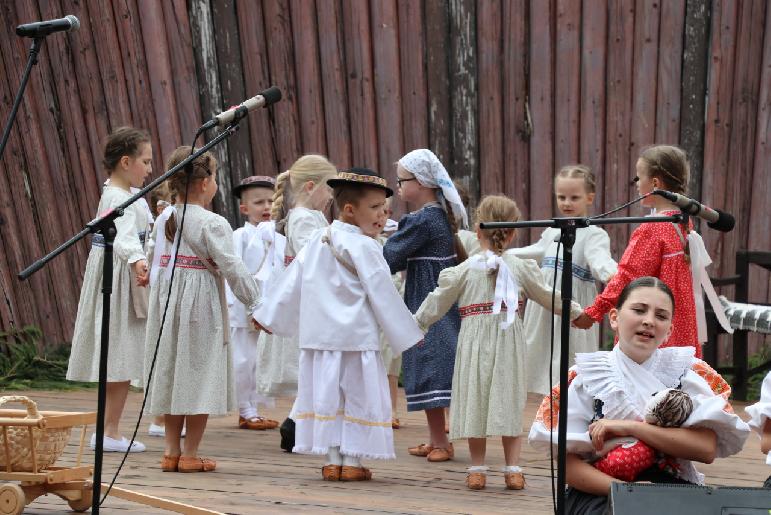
271	95
725	222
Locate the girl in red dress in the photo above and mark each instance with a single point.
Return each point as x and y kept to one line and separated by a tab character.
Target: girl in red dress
657	249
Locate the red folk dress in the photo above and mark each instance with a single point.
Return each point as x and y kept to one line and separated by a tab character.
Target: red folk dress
655	249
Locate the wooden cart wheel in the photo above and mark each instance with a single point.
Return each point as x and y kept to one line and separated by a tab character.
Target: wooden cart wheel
12	499
84	503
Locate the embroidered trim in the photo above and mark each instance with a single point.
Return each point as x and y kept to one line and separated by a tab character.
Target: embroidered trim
288	260
673	254
427	393
432	399
431	258
367	179
329	418
579	272
191	262
97	240
485	308
551	405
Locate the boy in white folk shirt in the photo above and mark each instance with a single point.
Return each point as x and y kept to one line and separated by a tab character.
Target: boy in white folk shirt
259	246
337	295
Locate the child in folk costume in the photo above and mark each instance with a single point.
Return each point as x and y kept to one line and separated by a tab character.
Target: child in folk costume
760	421
623	380
425	244
299	202
672	252
574	190
488	384
262	250
339	291
193	376
128	160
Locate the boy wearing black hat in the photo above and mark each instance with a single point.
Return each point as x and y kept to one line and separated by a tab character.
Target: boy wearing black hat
336	296
262	251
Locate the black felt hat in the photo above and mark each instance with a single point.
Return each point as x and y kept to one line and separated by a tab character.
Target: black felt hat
255	181
360	176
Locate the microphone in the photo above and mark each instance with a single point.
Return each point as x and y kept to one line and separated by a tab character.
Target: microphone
717	219
41	29
264	99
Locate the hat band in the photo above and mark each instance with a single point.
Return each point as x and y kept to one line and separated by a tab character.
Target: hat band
354	177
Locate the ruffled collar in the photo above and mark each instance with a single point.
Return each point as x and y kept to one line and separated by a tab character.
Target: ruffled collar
623	385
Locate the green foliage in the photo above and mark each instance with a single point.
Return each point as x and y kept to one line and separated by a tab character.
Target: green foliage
22	367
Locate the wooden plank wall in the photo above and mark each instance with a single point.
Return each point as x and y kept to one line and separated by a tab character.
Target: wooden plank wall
504	91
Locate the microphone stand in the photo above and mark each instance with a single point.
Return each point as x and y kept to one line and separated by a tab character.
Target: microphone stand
105	225
34	50
568	227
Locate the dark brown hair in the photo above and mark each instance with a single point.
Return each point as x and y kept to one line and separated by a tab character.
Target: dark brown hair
201	168
497	208
350	194
645	282
669	164
123	141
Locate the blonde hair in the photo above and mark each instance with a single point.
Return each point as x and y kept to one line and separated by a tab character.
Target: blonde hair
578	171
310	167
202	167
497	208
669	164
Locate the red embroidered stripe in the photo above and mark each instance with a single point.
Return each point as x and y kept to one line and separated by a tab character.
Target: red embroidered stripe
193	262
288	260
485	308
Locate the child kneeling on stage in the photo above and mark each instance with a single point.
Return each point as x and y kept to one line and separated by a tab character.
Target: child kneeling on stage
336	296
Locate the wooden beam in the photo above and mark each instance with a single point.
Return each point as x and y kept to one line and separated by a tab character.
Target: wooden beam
157	502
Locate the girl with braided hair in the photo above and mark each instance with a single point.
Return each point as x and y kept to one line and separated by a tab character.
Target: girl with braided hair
488	384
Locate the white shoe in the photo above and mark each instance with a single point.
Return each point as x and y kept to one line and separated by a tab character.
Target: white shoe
112	445
156	430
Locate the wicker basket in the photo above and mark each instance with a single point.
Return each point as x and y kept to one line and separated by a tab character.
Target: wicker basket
48	443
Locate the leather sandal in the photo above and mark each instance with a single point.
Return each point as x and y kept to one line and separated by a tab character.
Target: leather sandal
355	474
476	480
440	454
257	423
514	480
331	472
421	450
196	464
169	463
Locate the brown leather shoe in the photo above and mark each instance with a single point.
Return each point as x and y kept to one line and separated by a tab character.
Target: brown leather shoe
331	472
421	450
196	464
257	423
476	480
514	480
355	474
439	454
169	463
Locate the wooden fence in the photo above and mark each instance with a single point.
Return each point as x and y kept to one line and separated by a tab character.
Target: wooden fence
504	91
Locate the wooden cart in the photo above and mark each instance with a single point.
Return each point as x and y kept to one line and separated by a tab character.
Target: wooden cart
30	443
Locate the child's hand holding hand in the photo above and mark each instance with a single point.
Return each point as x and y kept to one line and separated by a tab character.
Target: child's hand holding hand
141	272
257	327
584	321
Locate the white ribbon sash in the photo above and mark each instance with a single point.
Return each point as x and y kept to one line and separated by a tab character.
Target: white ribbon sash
506	287
700	260
160	244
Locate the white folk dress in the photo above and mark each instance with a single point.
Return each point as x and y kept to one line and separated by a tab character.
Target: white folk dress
591	262
127	322
278	357
760	412
262	250
488	383
625	386
469	241
335	298
194	369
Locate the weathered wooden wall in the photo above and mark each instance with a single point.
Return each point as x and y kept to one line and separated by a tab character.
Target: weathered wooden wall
504	91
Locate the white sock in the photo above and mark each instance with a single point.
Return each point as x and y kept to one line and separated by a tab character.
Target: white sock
334	457
512	468
478	468
350	461
248	413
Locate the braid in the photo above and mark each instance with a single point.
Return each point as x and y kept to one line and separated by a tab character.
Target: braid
460	251
278	208
497	208
498	240
200	168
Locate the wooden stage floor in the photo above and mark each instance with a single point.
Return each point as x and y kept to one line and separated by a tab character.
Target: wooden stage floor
255	476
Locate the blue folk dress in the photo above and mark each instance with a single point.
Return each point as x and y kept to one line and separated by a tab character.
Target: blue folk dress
424	246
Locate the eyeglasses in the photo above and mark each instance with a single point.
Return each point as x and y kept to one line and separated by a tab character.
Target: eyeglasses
399	180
